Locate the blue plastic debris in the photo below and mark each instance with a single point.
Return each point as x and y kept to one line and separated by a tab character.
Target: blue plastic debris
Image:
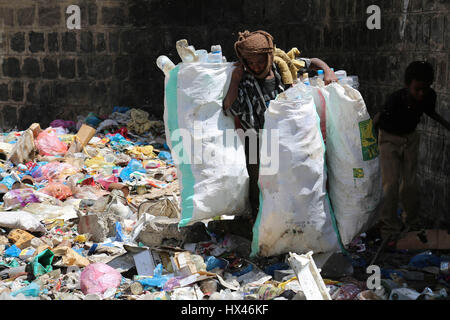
12	252
425	259
158	280
119	234
133	166
32	290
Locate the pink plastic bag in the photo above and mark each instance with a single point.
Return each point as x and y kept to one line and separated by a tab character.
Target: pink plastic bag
105	182
99	277
57	190
54	171
48	143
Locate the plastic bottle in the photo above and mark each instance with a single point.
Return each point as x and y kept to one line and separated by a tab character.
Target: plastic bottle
186	52
355	82
305	79
341	74
320	74
346	81
165	64
216	54
202	55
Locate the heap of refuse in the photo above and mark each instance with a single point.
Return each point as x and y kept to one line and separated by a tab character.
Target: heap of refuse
94	215
102	208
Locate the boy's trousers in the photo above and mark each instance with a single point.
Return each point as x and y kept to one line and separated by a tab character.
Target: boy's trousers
398	160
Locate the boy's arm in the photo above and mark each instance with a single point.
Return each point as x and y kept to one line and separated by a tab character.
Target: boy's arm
234	86
329	76
435	116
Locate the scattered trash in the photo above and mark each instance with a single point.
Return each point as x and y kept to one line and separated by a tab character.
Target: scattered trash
309	277
98	210
99	277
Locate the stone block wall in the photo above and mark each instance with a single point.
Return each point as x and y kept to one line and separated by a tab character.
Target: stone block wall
49	72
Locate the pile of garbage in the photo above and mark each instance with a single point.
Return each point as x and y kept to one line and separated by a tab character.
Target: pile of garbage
90	211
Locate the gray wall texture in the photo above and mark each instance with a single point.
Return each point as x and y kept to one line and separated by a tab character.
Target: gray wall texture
49	72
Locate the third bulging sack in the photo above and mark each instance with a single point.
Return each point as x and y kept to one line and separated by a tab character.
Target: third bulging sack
353	164
209	156
295	213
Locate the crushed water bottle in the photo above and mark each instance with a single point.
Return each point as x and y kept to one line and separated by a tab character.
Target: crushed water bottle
216	54
202	55
186	52
341	74
320	74
165	64
305	79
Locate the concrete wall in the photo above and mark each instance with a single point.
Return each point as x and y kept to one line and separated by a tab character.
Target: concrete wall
50	72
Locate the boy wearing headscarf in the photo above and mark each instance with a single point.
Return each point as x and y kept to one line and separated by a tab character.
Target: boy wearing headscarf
255	82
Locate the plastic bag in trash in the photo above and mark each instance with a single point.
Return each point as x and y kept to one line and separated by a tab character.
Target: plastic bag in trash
19	198
20	220
133	166
54	171
425	259
98	277
42	263
48	143
158	280
57	190
12	252
32	290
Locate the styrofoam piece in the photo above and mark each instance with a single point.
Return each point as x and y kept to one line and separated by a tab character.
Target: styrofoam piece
309	276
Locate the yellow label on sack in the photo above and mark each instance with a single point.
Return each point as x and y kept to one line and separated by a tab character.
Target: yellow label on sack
369	144
358	173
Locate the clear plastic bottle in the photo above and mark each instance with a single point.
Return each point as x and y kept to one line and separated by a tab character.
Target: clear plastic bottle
341	74
186	52
320	74
165	64
202	55
305	79
346	80
216	54
355	84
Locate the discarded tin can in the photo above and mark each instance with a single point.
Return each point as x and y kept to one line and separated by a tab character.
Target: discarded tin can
136	288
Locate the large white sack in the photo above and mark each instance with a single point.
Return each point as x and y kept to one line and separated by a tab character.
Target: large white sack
20	220
294	211
353	164
321	99
212	186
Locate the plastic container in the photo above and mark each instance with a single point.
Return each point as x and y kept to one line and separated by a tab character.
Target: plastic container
355	83
216	54
341	74
165	64
186	52
305	79
404	294
320	74
202	55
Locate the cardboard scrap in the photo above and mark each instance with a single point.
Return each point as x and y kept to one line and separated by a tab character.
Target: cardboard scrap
20	238
82	138
435	239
